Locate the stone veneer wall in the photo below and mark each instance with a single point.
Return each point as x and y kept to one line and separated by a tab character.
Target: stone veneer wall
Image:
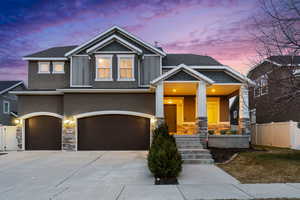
69	138
19	136
245	126
229	141
201	124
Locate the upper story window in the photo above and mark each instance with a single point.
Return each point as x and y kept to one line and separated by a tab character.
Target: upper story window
58	67
6	109
104	67
126	67
261	87
44	67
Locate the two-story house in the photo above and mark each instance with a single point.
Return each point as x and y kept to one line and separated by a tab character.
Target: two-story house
109	92
276	94
8	102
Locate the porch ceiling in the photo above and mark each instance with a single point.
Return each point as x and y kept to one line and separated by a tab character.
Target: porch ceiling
190	89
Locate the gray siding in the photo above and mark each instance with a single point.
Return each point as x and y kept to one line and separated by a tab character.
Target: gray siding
47	81
150	69
114	46
115	83
81	103
38	103
181	76
7	119
81	71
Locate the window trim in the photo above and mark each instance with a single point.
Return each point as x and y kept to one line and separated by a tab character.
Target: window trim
111	66
53	69
266	85
8	103
39	66
126	56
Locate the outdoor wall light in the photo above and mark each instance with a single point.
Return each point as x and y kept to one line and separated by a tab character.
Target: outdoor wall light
174	90
17	121
213	90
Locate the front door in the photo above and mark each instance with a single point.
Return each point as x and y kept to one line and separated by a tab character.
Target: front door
170	117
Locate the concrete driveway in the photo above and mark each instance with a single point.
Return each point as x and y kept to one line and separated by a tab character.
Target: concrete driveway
93	175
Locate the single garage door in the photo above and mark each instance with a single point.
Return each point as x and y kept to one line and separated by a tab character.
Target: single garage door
113	132
43	133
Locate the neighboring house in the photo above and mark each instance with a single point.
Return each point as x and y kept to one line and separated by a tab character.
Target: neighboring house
275	98
8	102
109	92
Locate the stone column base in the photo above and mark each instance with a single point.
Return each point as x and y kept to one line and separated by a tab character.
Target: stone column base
202	130
159	121
244	126
69	139
19	137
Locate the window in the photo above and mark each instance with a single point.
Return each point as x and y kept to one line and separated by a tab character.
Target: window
44	67
235	114
253	116
104	68
126	67
264	84
6	107
58	67
257	88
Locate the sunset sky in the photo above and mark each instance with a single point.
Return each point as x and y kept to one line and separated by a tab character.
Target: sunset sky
218	28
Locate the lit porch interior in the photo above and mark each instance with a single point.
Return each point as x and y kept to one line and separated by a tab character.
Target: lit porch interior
180	106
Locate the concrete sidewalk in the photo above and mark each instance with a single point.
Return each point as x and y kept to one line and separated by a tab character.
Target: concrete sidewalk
118	176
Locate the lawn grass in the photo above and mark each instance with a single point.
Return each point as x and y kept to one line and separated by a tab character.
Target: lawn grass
265	165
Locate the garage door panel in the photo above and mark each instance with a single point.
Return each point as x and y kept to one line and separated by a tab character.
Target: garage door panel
43	133
113	132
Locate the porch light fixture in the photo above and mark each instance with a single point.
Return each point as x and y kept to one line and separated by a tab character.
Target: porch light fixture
170	101
174	90
17	121
213	90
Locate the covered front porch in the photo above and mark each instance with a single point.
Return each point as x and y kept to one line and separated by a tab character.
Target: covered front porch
192	102
180	106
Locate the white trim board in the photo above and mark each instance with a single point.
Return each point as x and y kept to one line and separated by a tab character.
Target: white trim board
44	58
105	90
113	112
36	92
185	68
11	87
123	32
29	115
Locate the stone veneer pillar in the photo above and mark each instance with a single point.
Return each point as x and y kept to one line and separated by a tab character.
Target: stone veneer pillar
201	119
19	135
244	116
69	135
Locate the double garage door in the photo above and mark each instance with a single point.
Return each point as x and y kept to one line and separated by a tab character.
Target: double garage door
103	132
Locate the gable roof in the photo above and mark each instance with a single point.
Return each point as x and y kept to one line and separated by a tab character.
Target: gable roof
123	32
54	52
6	86
111	39
186	69
279	61
189	60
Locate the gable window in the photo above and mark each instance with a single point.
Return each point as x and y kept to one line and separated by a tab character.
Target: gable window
6	107
126	67
44	67
104	68
58	67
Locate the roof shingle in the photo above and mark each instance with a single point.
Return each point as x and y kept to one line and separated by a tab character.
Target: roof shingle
189	60
54	52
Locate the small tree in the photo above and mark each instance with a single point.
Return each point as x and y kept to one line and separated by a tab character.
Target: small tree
164	160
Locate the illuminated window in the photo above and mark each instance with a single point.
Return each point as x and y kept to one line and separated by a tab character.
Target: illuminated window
104	68
44	67
264	84
58	68
126	67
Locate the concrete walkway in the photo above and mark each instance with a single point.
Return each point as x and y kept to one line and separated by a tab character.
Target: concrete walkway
118	175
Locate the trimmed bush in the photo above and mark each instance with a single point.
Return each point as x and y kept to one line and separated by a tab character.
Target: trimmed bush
232	132
211	132
164	160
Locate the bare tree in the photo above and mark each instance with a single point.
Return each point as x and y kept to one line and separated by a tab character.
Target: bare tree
276	31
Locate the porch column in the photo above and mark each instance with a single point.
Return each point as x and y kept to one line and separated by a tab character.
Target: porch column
201	116
244	117
159	103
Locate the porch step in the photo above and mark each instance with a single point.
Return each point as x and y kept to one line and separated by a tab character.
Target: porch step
191	149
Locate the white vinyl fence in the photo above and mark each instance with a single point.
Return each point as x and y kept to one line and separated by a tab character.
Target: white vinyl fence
277	134
8	140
